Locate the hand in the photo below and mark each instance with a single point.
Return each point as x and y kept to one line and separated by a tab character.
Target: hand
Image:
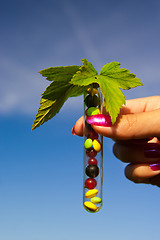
136	134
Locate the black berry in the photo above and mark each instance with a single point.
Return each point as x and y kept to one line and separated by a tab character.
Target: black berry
92	101
92	171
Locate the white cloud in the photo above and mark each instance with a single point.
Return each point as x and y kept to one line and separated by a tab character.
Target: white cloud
82	34
20	87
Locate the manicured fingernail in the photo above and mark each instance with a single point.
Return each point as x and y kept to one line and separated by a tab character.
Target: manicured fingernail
73	132
152	150
99	120
155	166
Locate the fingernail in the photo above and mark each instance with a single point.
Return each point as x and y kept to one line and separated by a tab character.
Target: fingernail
152	150
155	166
99	120
73	132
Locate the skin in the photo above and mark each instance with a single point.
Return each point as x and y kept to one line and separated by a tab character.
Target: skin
137	124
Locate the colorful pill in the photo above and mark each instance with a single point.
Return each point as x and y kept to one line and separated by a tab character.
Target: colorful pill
92	134
90	205
93	111
91	193
91	153
96	200
92	171
90	183
92	161
92	101
97	145
88	143
93	91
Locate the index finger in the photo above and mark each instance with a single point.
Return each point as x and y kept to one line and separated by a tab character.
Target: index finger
139	105
136	120
133	126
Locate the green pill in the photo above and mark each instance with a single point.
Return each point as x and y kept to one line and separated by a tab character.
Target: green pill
93	111
88	143
96	200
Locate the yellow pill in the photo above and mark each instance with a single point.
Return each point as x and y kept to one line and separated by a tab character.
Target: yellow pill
92	91
91	193
90	206
96	200
97	145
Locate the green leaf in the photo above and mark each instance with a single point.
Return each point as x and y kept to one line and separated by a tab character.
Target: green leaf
125	80
53	99
63	74
57	92
72	81
111	78
85	75
114	98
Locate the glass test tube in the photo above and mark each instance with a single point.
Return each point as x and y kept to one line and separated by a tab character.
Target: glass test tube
93	153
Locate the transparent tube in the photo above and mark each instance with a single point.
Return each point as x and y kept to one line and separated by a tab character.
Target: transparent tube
93	153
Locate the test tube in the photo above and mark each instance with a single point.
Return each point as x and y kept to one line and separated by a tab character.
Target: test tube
93	152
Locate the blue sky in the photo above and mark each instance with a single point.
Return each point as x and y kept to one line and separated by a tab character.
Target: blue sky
41	172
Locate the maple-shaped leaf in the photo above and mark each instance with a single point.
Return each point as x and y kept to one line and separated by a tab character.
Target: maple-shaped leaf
110	80
114	98
124	79
53	99
72	81
56	93
62	74
86	74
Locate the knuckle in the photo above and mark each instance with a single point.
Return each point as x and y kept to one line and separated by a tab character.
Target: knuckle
131	122
126	126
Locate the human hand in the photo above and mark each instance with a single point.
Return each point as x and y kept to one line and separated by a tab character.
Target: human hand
136	134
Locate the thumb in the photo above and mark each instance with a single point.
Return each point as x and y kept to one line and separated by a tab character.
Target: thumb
133	126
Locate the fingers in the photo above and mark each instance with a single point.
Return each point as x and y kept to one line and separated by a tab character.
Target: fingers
144	161
137	153
139	118
139	105
142	173
129	153
133	126
78	128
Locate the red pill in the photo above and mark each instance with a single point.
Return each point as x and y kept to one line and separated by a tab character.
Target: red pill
91	153
90	183
92	134
92	161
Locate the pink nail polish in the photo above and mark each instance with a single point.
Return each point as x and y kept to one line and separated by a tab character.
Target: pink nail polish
99	120
155	166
